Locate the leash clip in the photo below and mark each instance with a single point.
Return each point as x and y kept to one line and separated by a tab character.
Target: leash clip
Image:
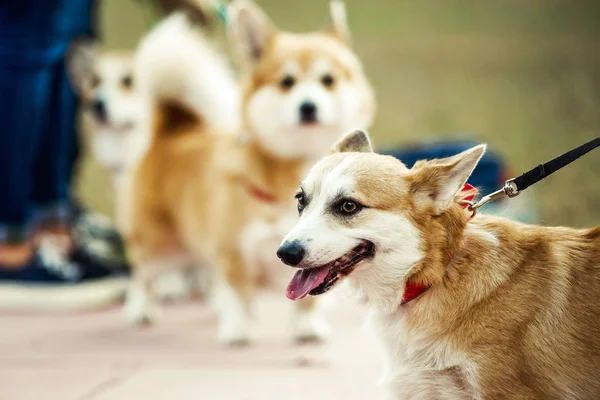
513	189
510	189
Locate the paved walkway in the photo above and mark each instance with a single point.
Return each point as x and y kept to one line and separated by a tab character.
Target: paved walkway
97	356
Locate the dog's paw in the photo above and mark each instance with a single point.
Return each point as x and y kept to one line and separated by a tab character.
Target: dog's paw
310	328
234	332
138	309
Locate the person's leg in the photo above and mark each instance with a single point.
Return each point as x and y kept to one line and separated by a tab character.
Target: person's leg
52	170
38	117
22	104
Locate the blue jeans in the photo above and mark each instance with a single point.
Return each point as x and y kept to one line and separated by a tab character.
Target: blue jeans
38	108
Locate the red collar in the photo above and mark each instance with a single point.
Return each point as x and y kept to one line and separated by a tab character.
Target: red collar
413	290
258	193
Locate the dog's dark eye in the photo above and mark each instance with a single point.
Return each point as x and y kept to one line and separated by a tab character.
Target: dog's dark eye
127	81
349	207
95	81
327	80
301	202
287	82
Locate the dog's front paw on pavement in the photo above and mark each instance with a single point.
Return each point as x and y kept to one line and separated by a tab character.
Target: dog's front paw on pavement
310	327
138	312
235	333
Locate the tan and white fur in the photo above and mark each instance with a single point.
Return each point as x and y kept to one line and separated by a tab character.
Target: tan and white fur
192	194
106	87
111	107
509	316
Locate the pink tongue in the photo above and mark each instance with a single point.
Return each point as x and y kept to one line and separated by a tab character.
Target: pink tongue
304	281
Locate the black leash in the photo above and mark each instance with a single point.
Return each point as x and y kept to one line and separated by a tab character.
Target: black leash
513	187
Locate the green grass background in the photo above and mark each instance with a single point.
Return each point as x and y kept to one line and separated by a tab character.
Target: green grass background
521	75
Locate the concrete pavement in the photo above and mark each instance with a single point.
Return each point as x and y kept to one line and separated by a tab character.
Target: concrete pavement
97	356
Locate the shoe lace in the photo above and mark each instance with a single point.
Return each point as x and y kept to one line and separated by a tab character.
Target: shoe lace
54	258
98	248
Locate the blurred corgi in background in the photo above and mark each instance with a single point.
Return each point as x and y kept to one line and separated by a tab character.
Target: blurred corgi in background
216	183
111	106
105	84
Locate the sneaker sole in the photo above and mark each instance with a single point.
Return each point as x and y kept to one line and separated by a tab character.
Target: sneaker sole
74	297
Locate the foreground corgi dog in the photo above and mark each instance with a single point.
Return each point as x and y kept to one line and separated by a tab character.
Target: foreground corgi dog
502	310
215	189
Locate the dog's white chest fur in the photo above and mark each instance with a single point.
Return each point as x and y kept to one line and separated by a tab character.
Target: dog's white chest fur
259	242
414	362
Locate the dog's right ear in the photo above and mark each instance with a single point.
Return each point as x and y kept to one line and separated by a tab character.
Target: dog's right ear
435	183
356	141
250	30
80	65
338	24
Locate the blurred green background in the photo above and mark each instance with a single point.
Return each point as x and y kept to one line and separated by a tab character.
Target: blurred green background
521	75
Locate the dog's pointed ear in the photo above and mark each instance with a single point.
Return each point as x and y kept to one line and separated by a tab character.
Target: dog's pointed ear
436	182
338	23
250	30
357	141
80	65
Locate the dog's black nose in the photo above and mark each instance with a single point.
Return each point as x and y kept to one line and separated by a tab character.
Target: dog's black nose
291	253
308	112
99	109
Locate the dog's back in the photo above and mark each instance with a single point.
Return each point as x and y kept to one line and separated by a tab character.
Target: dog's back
561	345
532	332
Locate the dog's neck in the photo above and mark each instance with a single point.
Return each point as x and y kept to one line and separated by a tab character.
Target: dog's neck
486	256
268	177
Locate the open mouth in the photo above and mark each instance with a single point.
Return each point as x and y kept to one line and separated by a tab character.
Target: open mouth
114	126
315	281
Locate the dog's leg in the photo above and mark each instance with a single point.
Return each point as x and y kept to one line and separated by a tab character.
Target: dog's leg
140	305
173	285
233	295
309	324
202	280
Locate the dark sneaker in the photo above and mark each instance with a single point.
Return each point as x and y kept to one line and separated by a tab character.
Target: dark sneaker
96	258
97	240
52	282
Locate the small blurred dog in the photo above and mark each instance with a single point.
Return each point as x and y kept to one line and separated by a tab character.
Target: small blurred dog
481	308
111	106
215	182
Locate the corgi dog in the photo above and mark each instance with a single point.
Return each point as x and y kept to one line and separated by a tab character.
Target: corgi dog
111	106
107	89
465	307
215	183
105	85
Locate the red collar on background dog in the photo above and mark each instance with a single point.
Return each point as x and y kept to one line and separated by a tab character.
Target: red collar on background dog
258	193
414	290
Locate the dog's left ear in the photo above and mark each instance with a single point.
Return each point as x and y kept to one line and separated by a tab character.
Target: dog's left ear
250	30
356	141
80	65
436	182
338	24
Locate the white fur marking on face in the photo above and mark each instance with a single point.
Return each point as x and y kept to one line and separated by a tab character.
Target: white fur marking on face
378	281
122	104
274	115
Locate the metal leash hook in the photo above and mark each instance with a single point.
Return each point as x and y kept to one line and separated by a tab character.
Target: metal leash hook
513	187
509	189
